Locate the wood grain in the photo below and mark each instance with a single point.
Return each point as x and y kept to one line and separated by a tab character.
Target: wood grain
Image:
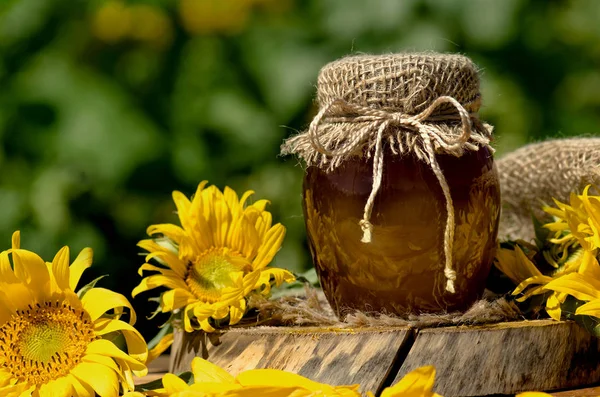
365	357
507	358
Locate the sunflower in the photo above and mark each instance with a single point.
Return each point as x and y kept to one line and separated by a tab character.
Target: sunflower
54	342
211	380
215	259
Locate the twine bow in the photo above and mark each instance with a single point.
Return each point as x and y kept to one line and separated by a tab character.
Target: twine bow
340	111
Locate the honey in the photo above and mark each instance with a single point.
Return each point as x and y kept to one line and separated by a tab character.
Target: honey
401	270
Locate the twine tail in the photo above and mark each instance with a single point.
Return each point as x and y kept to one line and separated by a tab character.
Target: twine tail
365	223
449	231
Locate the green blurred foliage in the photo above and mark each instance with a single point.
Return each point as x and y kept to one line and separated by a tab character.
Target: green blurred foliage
107	107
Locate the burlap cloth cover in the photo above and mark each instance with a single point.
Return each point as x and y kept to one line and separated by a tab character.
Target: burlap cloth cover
534	174
420	104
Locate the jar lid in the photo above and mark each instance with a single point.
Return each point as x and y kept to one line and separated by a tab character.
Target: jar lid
407	82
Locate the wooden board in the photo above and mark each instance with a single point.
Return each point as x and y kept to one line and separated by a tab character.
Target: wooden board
339	358
504	358
507	358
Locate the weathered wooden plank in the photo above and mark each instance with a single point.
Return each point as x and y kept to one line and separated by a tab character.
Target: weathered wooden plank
507	358
335	357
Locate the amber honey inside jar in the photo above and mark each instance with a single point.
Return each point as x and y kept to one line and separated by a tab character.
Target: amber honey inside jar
401	269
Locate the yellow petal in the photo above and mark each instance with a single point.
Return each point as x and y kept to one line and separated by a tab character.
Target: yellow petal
102	379
205	371
59	387
171	231
416	383
155	281
136	345
183	208
170	259
32	270
553	305
277	378
576	285
533	394
269	247
236	312
107	348
6	271
16	240
98	301
591	308
60	268
81	389
160	347
81	263
175	299
173	384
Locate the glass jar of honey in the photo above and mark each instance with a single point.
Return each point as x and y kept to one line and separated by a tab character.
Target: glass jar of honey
401	196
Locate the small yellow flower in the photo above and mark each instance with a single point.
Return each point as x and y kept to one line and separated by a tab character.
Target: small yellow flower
216	259
579	221
52	340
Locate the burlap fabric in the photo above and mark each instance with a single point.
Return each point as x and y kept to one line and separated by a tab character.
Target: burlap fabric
534	174
417	104
312	309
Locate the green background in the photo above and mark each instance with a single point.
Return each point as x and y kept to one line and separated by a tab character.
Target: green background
107	107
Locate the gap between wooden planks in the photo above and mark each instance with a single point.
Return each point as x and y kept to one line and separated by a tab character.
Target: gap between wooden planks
498	359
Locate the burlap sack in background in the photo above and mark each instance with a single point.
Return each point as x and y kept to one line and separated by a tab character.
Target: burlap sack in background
534	174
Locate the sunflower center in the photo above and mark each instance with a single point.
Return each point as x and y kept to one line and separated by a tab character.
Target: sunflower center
44	342
210	273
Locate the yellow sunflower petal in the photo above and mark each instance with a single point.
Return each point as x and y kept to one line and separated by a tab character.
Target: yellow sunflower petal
32	271
416	383
174	384
60	268
591	308
576	285
205	371
155	281
170	259
171	231
81	389
183	208
97	301
150	267
6	271
270	246
16	240
531	281
136	345
160	348
102	379
553	305
277	378
175	299
59	387
107	348
79	265
236	312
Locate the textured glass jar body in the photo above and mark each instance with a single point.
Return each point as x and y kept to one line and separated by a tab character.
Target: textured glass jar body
402	269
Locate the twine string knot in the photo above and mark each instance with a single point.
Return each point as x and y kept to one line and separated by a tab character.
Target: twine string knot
379	121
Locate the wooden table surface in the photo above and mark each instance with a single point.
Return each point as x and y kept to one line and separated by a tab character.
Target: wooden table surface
160	366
